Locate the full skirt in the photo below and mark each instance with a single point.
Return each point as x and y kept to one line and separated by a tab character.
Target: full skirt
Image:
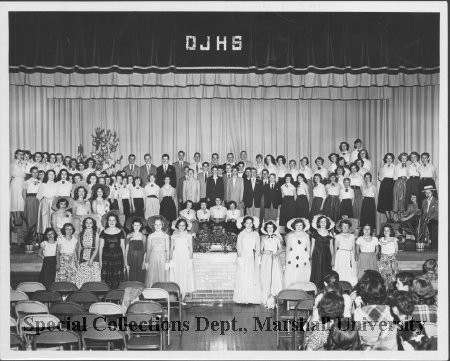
357	201
346	208
388	268
368	212
138	207
44	215
88	273
247	287
320	265
315	207
399	204
48	271
302	206
151	207
287	210
68	269
182	271
168	209
412	186
112	266
367	261
135	261
331	207
17	204
298	267
386	195
345	266
156	271
31	210
271	276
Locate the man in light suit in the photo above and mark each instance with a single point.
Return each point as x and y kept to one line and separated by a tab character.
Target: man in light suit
131	168
180	164
166	170
202	177
147	169
191	189
197	165
235	189
253	191
180	183
430	210
226	175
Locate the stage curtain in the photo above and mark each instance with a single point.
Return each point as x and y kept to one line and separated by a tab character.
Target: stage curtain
408	121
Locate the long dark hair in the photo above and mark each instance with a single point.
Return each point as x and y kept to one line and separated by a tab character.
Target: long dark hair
83	226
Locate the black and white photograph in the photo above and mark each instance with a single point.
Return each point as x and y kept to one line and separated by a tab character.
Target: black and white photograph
224	177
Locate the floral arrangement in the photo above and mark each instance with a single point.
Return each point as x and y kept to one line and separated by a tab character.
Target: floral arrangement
207	237
419	231
105	142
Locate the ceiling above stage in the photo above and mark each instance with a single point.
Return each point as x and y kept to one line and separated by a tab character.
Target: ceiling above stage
194	42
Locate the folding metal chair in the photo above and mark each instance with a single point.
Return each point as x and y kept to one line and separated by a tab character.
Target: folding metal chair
30	287
32	325
284	311
63	288
158	294
16	296
150	335
308	287
24	308
16	342
145	307
96	339
82	321
62	310
346	287
99	288
13	327
114	296
46	297
175	296
57	339
134	284
111	311
303	309
83	298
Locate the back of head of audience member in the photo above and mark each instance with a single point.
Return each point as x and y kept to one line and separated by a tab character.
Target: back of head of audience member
331	306
331	277
404	281
430	265
371	288
402	304
343	336
423	292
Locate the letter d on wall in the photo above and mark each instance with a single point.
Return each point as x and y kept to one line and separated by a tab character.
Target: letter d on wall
191	42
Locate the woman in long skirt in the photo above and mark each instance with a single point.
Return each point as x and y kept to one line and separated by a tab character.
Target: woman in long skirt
157	254
17	173
366	250
46	193
356	182
135	246
152	198
167	197
386	193
306	170
66	257
319	195
48	253
322	250
30	190
388	265
89	266
412	183
332	202
271	272
302	201
181	259
400	177
298	252
368	206
247	285
345	256
137	197
288	194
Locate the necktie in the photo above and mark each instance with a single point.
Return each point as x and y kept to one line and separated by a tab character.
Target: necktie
196	168
271	186
181	165
132	168
346	190
148	169
165	168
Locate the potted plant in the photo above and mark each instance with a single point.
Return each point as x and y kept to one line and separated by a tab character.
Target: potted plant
419	231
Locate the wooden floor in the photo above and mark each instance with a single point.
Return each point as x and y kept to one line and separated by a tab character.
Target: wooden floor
208	340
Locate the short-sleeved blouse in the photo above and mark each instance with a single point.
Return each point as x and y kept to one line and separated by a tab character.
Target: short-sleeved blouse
387	248
366	246
67	246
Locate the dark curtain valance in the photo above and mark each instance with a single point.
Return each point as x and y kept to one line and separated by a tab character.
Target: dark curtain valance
298	43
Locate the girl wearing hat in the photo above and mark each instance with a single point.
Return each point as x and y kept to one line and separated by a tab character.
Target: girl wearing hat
366	250
181	258
386	195
369	201
151	201
271	272
168	201
45	195
344	246
319	195
66	256
400	177
81	207
302	201
247	285
298	252
62	214
412	183
388	265
87	251
288	194
332	202
322	250
135	246
158	252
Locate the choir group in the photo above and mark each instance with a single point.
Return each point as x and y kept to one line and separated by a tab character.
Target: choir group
93	222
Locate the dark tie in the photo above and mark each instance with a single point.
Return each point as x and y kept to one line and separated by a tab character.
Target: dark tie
196	168
346	190
181	165
271	186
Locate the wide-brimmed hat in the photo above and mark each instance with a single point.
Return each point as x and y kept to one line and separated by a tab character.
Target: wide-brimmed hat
67	199
241	219
188	223
316	217
428	188
106	215
275	225
353	224
85	186
130	220
290	224
151	222
104	187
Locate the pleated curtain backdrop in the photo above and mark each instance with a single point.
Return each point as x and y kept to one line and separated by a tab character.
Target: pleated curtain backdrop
407	121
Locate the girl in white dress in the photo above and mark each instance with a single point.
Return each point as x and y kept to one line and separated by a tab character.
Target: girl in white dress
344	250
81	207
157	254
100	205
247	286
151	201
298	252
190	215
181	258
366	251
271	272
46	192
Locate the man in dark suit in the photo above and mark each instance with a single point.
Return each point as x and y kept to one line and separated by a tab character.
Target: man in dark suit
272	199
131	168
180	182
203	178
179	166
147	169
166	170
214	187
430	210
253	191
264	181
